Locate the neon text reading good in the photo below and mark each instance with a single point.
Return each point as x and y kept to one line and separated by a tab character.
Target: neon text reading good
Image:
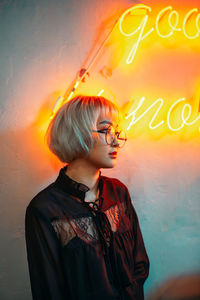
166	12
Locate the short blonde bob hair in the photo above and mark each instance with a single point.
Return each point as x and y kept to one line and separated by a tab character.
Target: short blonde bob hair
69	134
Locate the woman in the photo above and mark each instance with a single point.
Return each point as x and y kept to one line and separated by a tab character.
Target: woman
82	233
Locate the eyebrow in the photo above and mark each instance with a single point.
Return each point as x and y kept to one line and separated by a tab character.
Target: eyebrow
106	122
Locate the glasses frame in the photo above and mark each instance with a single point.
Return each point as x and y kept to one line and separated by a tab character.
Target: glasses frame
116	133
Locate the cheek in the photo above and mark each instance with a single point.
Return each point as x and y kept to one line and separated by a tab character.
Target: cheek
100	140
100	150
100	143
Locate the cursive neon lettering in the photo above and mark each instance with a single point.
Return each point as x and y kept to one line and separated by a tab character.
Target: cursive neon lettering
169	114
135	46
161	14
131	11
184	117
188	15
189	114
134	120
173	25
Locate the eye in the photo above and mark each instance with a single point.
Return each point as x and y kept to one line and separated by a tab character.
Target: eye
104	130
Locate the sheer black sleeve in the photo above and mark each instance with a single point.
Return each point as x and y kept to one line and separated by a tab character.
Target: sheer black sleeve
46	274
141	261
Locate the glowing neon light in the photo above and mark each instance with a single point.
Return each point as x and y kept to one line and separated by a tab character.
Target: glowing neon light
70	95
190	109
133	121
73	90
131	10
56	106
76	85
184	119
173	27
189	14
100	93
140	28
144	9
135	47
169	113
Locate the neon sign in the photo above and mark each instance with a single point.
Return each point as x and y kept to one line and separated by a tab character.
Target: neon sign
184	117
166	12
172	25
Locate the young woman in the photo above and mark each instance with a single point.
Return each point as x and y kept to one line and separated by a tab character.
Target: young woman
82	233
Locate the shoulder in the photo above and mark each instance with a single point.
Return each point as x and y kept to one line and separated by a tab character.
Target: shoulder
43	199
115	183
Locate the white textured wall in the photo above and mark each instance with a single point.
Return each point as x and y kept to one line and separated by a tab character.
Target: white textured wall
43	45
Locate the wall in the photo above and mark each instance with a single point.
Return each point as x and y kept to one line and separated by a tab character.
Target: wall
44	45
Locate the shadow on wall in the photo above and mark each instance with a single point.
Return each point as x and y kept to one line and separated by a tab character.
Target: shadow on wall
24	151
27	166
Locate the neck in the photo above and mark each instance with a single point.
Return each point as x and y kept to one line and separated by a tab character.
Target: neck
80	171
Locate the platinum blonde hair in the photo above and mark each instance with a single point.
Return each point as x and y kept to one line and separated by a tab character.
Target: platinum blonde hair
69	134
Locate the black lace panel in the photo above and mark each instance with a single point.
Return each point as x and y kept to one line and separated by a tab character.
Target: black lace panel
85	227
113	216
118	217
64	231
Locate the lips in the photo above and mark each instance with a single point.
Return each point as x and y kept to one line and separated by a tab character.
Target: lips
113	153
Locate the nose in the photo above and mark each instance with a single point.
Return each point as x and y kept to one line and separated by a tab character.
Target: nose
115	142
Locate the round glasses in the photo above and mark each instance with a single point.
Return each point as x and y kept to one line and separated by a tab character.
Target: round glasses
111	134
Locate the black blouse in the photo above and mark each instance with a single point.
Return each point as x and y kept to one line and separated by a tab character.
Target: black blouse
85	251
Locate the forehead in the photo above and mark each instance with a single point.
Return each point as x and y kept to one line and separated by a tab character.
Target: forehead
107	118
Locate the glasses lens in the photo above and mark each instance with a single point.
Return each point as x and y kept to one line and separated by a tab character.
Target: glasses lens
121	138
110	135
113	134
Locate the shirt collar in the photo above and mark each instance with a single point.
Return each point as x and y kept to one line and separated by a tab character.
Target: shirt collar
77	189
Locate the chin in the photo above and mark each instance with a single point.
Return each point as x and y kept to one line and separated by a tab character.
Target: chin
105	164
109	165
